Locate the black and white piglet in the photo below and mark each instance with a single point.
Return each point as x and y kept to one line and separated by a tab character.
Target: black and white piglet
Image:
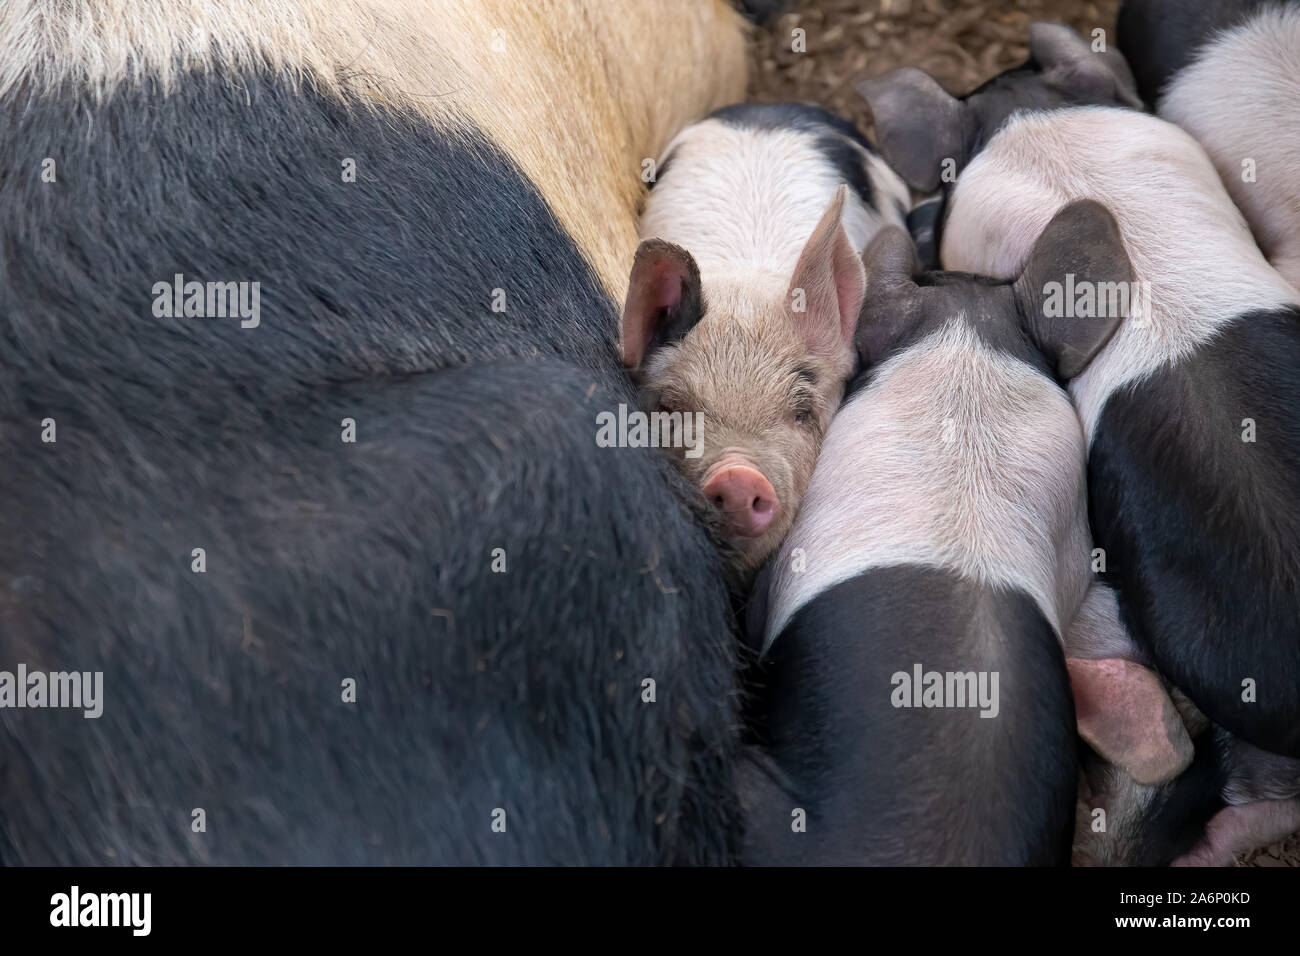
1192	410
744	297
916	707
1228	72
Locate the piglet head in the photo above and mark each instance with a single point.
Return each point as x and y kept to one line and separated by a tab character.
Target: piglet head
760	366
1081	247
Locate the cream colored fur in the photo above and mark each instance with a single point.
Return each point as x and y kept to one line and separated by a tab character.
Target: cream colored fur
578	92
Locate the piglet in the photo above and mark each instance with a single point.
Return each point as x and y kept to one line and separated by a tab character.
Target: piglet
1228	72
916	705
744	296
1192	410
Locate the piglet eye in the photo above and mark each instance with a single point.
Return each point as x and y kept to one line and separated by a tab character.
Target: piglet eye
803	416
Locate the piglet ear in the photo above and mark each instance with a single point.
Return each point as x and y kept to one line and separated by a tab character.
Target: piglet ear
1122	708
1081	246
829	281
890	304
918	123
664	300
1069	64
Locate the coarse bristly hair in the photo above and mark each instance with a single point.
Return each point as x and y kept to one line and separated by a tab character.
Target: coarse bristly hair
496	585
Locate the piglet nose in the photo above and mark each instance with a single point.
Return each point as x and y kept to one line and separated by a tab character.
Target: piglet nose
745	497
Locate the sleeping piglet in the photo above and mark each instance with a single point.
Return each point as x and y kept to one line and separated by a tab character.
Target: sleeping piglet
916	705
744	296
1191	412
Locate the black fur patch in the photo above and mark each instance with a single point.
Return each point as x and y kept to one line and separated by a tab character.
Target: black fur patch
1179	810
1020	89
923	223
891	786
1202	529
1174	814
1161	37
325	560
987	307
800	116
761	11
846	158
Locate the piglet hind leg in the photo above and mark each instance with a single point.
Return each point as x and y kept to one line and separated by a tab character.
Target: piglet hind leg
1121	705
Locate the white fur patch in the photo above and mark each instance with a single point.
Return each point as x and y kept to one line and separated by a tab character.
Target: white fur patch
955	456
743	201
1241	99
1184	236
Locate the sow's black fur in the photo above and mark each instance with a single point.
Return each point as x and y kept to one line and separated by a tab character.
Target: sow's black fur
326	561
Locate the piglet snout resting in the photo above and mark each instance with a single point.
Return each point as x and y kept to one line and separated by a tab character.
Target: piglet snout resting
743	494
